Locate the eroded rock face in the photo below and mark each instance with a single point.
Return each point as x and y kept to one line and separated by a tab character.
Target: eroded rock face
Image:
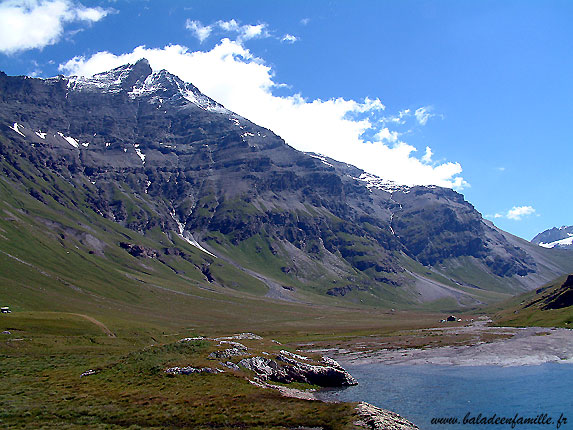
286	369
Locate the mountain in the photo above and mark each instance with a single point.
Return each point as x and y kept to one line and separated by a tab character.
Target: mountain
548	306
561	237
135	178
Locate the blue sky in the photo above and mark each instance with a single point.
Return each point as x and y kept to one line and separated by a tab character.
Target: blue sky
476	95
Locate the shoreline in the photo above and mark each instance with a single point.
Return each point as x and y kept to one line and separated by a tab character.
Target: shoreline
525	346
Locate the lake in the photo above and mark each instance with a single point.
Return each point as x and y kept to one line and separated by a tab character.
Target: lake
422	392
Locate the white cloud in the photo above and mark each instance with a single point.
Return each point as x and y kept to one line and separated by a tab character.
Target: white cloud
248	32
517	212
231	26
385	135
243	32
423	114
201	32
427	158
232	75
29	24
305	21
289	38
400	118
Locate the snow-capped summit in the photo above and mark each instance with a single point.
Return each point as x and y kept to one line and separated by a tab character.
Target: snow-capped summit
113	81
139	80
561	237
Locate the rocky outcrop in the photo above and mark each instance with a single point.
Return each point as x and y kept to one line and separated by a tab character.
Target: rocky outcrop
286	369
138	250
285	366
371	417
187	370
228	353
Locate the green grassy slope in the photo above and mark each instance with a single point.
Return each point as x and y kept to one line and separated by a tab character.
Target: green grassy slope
528	309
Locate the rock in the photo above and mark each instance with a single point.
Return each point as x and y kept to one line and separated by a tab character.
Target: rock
265	368
138	250
286	369
241	336
371	417
230	365
293	355
233	344
325	376
228	353
190	339
189	369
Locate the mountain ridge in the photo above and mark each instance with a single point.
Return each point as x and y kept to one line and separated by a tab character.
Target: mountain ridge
154	155
561	238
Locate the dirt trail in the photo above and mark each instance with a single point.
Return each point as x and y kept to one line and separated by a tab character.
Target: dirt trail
98	323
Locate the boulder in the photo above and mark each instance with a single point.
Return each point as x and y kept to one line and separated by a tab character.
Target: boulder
286	369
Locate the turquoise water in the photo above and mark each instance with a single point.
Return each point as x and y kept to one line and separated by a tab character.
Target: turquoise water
423	392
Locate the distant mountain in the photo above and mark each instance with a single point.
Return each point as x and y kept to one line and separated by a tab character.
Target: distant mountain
561	237
139	171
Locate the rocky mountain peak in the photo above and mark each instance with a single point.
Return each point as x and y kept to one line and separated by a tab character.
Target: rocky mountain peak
113	81
136	73
140	81
561	237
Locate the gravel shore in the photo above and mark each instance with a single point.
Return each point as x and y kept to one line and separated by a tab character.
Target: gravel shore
526	346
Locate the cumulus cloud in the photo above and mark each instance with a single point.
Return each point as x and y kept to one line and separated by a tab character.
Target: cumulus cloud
243	32
29	24
337	127
516	213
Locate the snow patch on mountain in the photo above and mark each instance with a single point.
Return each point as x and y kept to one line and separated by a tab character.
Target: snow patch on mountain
562	243
139	153
70	140
17	130
188	237
321	158
373	181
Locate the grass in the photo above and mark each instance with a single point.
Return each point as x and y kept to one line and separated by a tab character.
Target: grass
42	387
522	311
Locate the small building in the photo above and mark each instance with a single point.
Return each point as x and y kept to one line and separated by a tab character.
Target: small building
5	310
451	318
